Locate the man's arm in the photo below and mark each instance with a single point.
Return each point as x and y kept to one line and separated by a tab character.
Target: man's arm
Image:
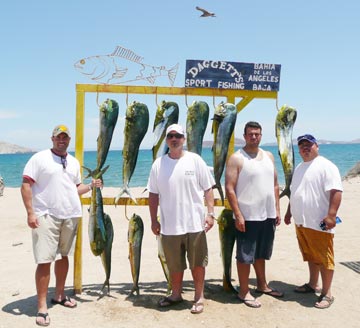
26	194
209	201
233	168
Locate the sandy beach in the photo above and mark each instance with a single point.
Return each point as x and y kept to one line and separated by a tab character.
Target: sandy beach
284	271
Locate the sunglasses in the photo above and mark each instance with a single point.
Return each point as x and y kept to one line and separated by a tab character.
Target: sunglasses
175	135
63	162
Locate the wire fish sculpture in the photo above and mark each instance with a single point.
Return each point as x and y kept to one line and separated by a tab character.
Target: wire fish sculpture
122	66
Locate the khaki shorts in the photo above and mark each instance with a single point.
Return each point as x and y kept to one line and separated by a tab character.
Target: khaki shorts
193	244
316	246
54	237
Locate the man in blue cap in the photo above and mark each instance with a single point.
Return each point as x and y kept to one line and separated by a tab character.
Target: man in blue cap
316	192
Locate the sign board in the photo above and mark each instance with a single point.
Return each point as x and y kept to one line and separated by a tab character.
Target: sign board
232	75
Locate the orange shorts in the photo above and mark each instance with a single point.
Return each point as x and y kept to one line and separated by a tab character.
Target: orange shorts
316	246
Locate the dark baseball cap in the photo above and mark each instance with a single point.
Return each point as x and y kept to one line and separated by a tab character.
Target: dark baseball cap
307	137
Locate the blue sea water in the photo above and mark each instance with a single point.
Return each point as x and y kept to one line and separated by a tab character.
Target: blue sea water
345	156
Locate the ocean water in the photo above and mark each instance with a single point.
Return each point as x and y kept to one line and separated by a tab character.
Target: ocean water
345	156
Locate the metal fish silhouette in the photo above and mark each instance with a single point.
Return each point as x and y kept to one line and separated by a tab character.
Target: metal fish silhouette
122	66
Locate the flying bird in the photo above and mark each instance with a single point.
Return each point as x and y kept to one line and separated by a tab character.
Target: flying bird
205	13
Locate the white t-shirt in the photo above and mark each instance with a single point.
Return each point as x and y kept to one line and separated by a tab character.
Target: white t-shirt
310	191
180	184
54	191
255	188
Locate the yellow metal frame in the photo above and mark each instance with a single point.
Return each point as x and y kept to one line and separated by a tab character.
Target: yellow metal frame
81	89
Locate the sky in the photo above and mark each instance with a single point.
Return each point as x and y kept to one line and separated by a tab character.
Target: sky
315	42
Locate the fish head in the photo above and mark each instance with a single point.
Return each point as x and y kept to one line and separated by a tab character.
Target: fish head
87	65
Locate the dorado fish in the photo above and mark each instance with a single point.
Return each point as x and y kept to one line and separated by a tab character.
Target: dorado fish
122	66
223	126
96	227
109	111
284	124
106	254
196	123
161	256
136	126
135	236
166	114
227	235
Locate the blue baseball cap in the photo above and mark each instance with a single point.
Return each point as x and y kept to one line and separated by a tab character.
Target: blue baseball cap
307	137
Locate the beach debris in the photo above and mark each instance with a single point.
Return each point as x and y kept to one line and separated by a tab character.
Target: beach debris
284	123
17	244
205	13
2	186
353	172
227	236
223	126
136	126
122	66
196	123
167	113
135	236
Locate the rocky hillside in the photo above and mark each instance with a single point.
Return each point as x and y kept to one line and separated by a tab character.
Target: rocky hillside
8	148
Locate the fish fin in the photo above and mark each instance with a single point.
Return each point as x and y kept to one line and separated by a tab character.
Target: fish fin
151	79
172	74
119	73
127	54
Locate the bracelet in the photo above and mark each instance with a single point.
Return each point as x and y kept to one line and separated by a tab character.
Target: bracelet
211	214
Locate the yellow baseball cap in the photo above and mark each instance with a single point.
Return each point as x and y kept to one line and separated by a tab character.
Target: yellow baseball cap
60	129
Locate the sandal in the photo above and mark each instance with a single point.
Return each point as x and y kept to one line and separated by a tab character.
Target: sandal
197	308
44	316
306	289
67	302
253	303
271	292
167	301
324	302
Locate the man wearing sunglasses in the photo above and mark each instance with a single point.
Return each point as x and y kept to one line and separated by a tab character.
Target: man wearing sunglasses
316	192
178	182
50	191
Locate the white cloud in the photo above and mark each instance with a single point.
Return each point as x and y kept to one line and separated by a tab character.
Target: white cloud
6	114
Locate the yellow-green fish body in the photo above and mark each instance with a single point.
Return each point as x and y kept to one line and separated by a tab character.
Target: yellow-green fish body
196	123
284	124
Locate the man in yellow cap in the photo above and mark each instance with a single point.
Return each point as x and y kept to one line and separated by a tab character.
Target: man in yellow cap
50	191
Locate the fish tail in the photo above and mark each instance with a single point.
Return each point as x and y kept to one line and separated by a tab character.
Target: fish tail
285	192
125	190
172	74
96	174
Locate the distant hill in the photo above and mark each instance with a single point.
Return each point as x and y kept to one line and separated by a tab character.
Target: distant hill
241	142
8	148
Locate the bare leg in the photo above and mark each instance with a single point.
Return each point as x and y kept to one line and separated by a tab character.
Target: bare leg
314	270
61	271
326	277
42	279
243	273
176	283
259	267
198	274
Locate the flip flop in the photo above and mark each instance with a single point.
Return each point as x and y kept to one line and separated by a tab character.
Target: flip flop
65	302
306	289
197	308
325	300
44	316
166	302
253	303
272	292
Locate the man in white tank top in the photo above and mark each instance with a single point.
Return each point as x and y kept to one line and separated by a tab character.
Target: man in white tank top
253	193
